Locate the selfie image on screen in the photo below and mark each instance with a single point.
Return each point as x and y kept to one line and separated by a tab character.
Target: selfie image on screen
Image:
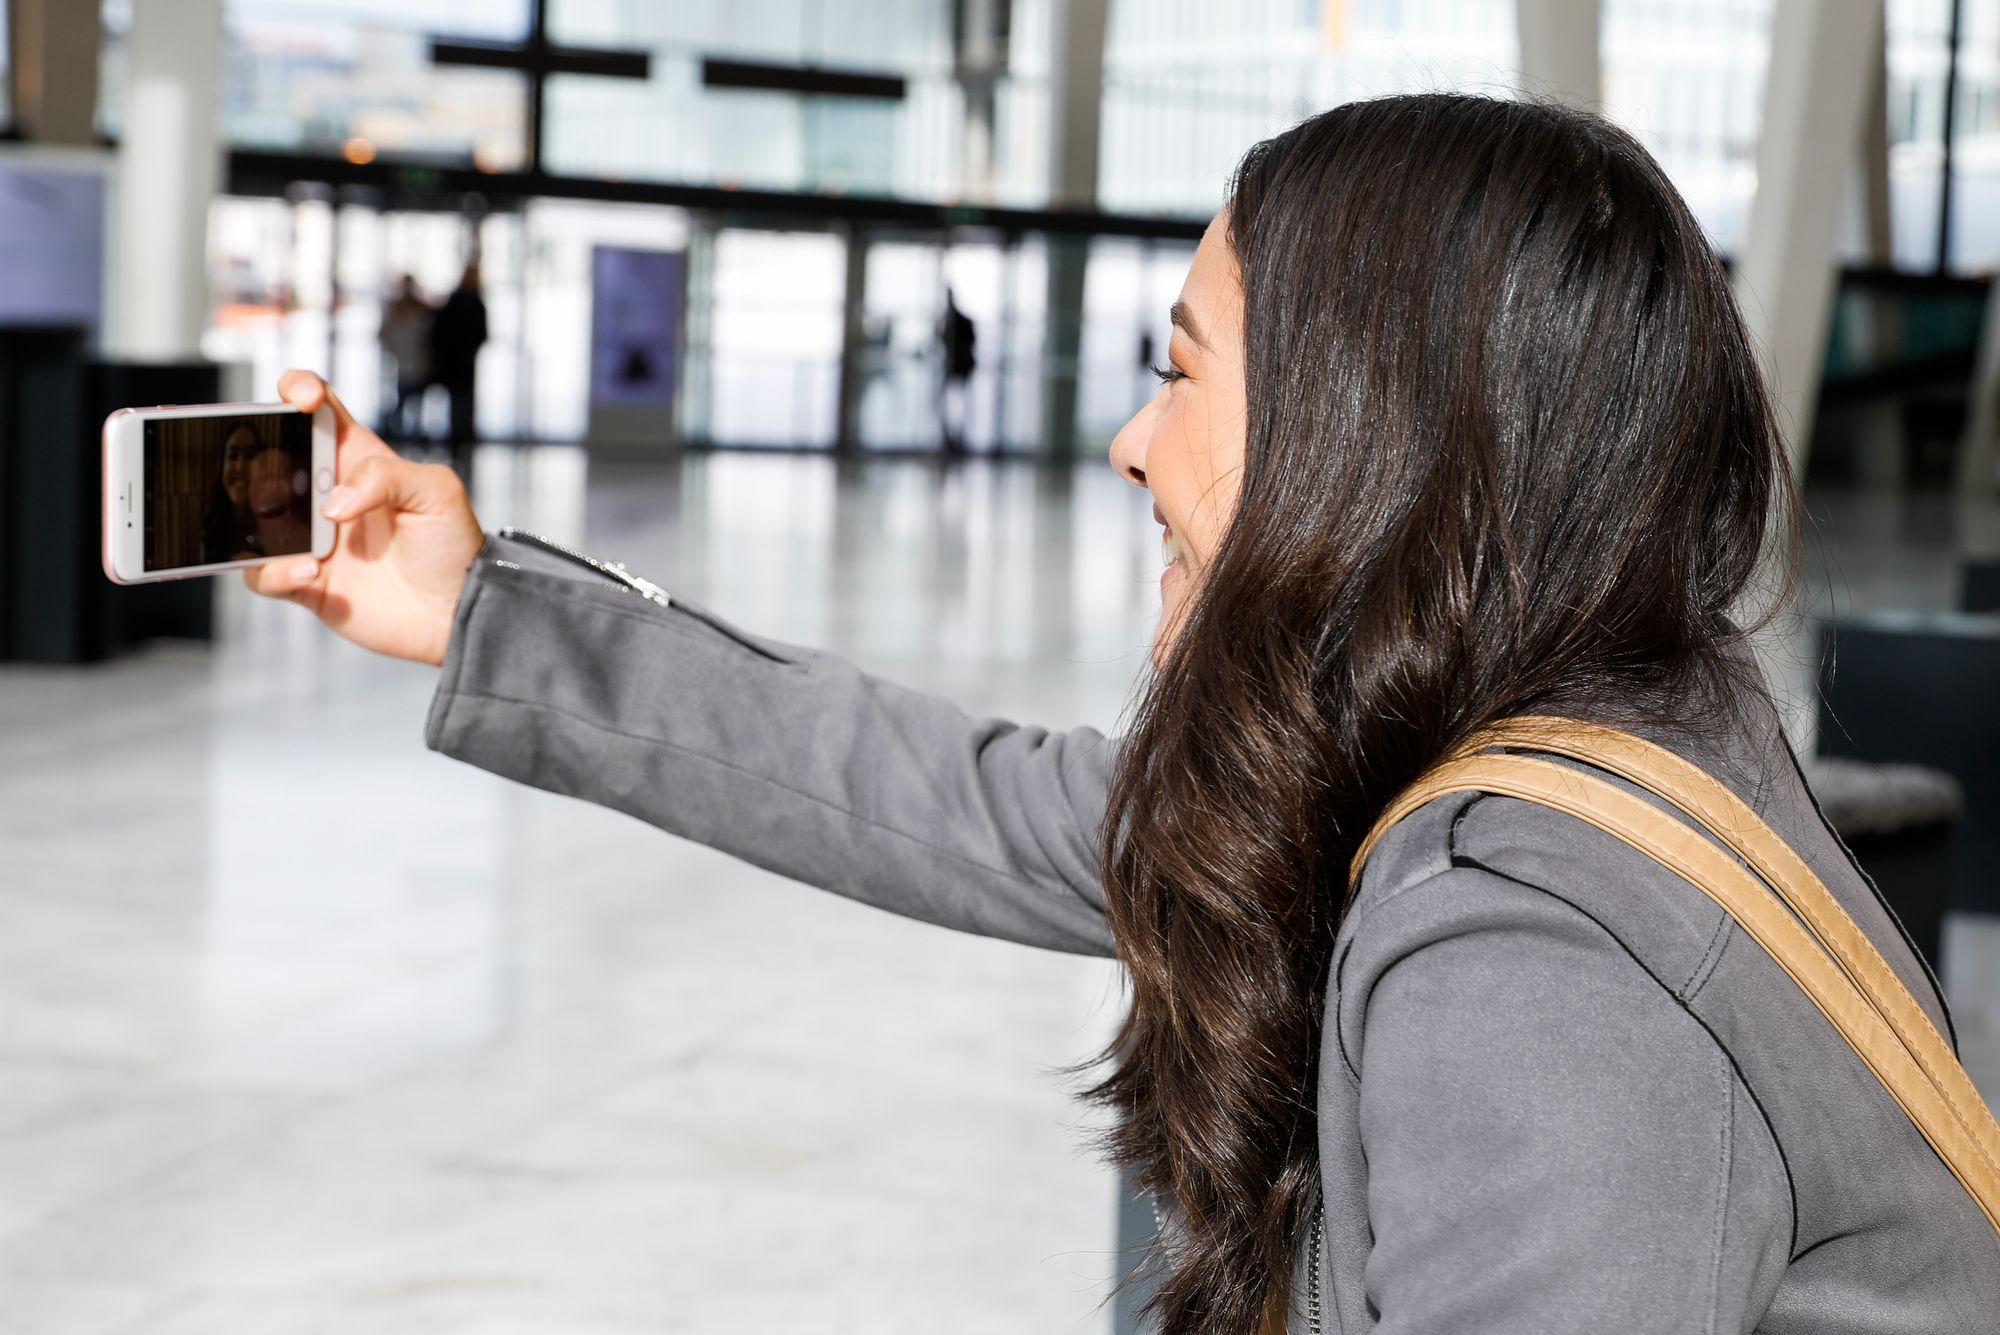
227	488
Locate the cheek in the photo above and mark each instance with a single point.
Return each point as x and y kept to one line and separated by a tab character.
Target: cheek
1217	454
1172	467
1193	479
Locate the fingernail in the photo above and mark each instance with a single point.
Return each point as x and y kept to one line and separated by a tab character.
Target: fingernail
338	502
304	570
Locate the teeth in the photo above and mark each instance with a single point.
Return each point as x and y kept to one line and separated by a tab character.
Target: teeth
1170	547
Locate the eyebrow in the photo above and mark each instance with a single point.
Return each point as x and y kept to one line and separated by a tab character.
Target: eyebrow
1183	319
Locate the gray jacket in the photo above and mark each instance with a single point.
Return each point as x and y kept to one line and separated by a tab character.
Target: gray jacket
1559	1091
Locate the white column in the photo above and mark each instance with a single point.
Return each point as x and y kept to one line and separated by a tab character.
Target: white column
1076	88
1874	184
54	47
1881	446
1559	57
1076	73
1979	448
1814	99
854	368
169	169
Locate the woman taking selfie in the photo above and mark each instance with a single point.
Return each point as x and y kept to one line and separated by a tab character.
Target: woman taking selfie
1460	426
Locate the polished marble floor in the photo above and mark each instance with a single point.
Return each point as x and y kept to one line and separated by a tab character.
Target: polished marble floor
305	1029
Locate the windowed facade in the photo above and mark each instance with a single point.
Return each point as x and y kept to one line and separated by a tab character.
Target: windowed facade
958	112
355	78
1922	78
1687	78
1975	162
1188	85
966	124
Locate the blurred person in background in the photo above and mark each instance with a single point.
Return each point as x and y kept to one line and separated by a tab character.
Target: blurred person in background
956	337
458	331
406	344
1458	422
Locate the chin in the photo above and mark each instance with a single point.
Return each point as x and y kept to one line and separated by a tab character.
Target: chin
1167	629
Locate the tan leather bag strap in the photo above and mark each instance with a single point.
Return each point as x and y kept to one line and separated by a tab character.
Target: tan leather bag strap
1730	819
1788	912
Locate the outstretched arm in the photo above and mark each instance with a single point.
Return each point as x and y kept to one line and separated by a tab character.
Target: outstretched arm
785	757
560	676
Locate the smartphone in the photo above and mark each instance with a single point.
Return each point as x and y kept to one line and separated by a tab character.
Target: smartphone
213	487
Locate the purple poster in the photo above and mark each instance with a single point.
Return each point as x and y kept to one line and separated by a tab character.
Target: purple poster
635	319
51	245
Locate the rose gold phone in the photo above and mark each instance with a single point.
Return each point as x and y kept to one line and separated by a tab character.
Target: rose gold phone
213	487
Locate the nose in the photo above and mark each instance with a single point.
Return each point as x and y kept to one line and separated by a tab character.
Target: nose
1128	447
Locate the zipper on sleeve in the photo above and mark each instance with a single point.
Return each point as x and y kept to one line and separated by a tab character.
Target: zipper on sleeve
614	572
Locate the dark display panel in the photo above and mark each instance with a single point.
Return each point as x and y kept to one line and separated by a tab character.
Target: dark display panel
226	488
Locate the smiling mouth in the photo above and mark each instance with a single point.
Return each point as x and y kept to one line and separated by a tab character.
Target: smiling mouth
1171	551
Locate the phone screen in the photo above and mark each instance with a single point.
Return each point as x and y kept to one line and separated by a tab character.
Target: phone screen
226	488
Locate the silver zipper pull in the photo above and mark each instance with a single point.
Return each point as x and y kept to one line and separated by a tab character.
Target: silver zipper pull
646	587
614	571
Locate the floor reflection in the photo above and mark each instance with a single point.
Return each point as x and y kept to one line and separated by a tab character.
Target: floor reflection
304	1028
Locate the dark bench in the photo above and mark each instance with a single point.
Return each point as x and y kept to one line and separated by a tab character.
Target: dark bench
1980	591
1924	689
1899	821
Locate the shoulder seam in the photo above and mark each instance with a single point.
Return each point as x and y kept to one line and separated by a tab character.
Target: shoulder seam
1784	1160
1471	800
1705	967
1727	1160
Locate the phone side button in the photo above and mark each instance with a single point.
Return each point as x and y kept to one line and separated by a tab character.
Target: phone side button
324	479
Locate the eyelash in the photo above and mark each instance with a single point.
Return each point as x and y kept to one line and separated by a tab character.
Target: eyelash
1169	373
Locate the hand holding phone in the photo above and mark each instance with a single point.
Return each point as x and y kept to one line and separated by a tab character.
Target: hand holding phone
405	537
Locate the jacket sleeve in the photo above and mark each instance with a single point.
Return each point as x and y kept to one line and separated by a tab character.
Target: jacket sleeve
1554	1141
785	757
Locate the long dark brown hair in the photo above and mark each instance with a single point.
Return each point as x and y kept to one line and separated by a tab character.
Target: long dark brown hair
1508	451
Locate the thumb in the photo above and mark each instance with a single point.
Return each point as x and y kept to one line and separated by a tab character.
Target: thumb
385	480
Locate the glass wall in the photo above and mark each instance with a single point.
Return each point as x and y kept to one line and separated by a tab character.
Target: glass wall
1002	287
769	348
1687	78
1975	163
1919	60
1127	290
1919	55
354	78
963	129
304	282
555	345
1188	85
901	358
